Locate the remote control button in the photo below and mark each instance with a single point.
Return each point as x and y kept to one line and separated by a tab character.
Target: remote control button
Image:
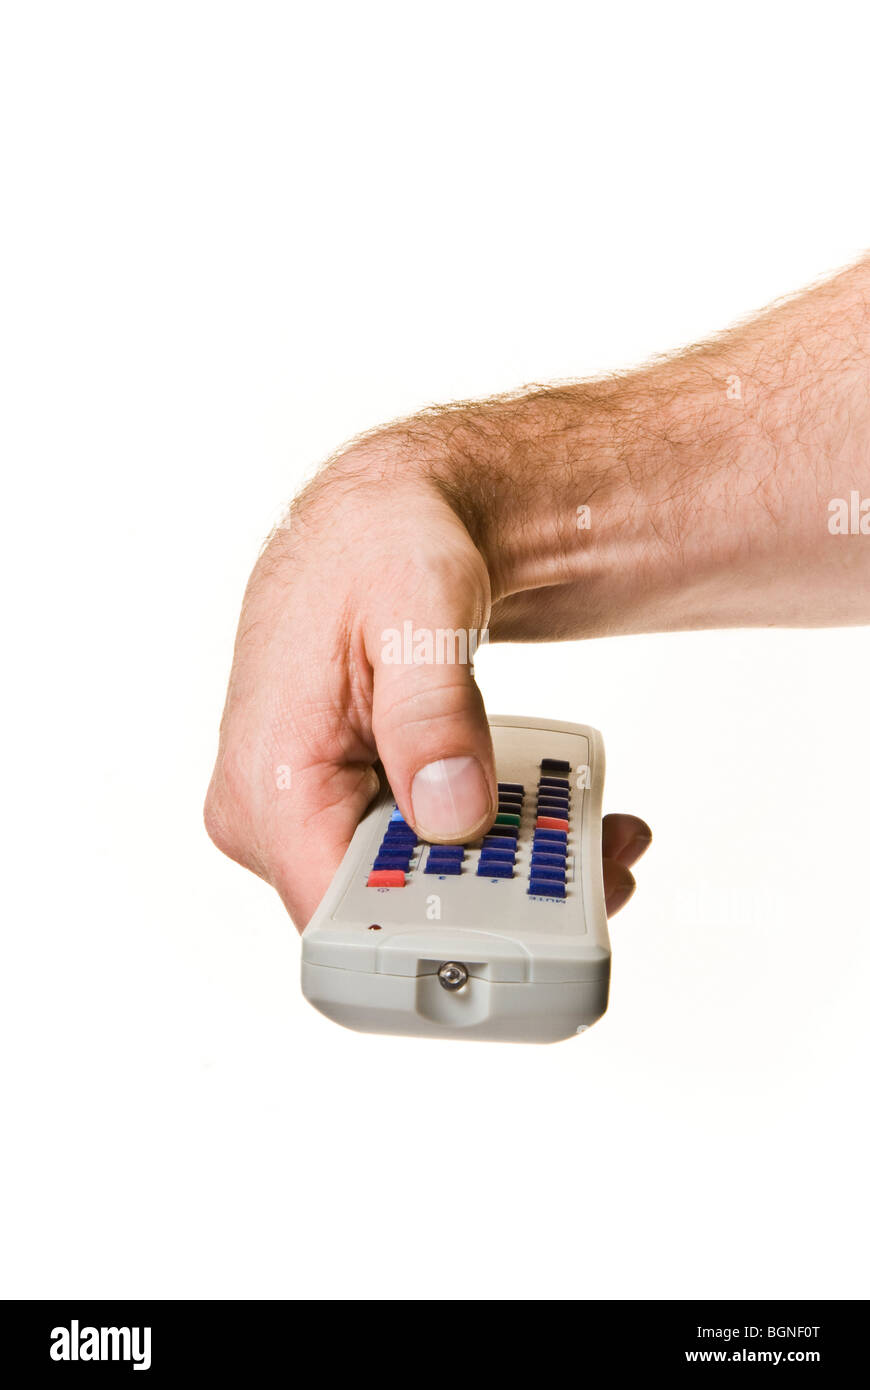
512	787
503	828
494	852
513	805
548	804
443	866
393	861
494	869
561	782
448	851
551	823
555	765
540	857
544	888
397	818
401	832
506	818
548	872
386	878
543	836
499	842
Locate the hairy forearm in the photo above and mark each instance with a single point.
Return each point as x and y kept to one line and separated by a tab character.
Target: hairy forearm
691	493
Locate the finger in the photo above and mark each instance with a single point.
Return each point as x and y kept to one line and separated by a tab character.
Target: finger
619	885
311	838
624	838
428	718
433	738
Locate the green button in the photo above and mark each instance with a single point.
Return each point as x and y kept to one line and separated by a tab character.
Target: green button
504	819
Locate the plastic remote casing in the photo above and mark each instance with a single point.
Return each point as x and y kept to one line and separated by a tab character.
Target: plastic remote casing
537	963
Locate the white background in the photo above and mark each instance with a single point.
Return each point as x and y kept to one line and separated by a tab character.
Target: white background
233	235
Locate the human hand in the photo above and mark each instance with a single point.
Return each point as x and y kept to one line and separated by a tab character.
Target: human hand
373	545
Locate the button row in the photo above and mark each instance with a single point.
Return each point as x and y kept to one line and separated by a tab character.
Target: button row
393	859
548	868
498	852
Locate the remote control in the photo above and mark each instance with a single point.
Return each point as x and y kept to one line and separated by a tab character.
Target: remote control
503	939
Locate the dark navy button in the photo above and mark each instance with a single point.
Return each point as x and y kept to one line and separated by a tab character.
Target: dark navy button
443	866
555	765
546	804
494	869
449	851
392	861
544	888
499	842
504	831
555	782
396	836
511	787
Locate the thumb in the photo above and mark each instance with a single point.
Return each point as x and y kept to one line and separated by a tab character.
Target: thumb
431	730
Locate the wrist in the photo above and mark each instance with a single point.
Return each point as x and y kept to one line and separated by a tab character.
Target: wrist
565	499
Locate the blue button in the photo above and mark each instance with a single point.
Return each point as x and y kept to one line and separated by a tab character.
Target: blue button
385	860
544	888
494	869
398	817
543	835
499	842
492	852
554	782
553	801
447	851
443	866
543	857
554	871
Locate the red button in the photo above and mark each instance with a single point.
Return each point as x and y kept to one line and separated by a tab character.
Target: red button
551	823
386	878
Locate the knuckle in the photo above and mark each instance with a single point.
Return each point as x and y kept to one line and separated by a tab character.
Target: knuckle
219	824
224	813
